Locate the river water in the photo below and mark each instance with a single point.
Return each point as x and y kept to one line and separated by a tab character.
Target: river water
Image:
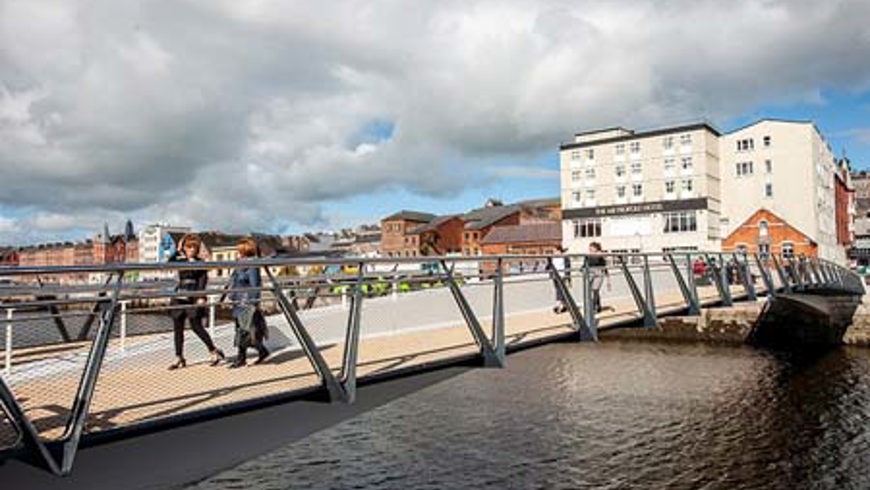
609	415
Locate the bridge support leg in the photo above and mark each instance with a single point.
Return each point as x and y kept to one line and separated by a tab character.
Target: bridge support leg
498	313
721	280
649	319
581	326
649	296
797	274
351	343
785	284
765	277
589	307
33	445
745	273
487	350
691	299
331	385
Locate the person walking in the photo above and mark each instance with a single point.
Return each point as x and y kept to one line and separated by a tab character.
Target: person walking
251	329
190	307
563	263
598	272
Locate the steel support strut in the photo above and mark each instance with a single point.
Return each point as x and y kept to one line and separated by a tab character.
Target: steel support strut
589	302
498	311
328	380
691	300
351	342
765	277
649	296
649	318
581	326
721	281
487	350
85	393
785	284
745	273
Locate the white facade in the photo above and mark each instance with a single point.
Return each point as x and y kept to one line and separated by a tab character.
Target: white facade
150	250
787	168
647	192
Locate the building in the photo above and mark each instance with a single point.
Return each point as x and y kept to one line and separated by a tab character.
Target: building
8	257
395	240
690	188
151	240
525	239
648	191
765	166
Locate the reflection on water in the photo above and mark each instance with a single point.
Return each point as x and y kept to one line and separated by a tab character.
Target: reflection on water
608	415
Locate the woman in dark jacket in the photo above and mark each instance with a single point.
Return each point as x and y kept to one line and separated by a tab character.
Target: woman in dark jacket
244	293
190	307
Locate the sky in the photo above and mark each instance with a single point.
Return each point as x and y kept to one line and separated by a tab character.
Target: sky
283	117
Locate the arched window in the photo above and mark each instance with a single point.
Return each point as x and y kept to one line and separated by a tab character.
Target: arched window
763	228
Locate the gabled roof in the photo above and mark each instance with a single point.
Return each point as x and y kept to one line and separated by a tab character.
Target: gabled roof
779	218
483	217
537	232
410	216
433	224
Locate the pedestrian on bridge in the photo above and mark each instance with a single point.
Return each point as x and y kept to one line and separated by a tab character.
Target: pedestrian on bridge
190	307
251	329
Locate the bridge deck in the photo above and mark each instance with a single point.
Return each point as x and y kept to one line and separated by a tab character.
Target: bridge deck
136	387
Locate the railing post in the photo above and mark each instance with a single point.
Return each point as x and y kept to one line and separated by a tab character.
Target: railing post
589	312
498	326
721	281
8	361
351	343
490	359
649	319
395	289
562	291
212	313
785	284
765	276
692	285
648	288
748	283
123	333
797	274
691	302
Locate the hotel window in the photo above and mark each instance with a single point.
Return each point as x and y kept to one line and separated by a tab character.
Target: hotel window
766	141
620	149
744	168
620	191
590	154
685	139
590	194
745	145
590	227
576	175
687	163
635	146
636	168
668	142
787	250
669	165
620	170
768	166
680	222
590	173
637	190
669	187
687	185
577	196
575	154
768	189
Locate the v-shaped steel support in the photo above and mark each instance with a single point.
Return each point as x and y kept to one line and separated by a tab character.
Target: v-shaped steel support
488	350
719	276
649	318
765	276
689	296
584	330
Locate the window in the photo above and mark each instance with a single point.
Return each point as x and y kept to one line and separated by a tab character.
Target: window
744	168
669	187
620	170
668	142
768	166
687	185
577	196
589	227
787	250
686	164
636	168
590	194
576	175
764	250
635	146
620	149
669	165
685	139
745	145
637	190
590	154
620	191
741	249
679	222
575	154
763	228
590	173
766	141
768	189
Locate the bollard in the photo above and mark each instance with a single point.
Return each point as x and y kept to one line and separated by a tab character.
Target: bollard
8	361
123	326
212	310
395	295
344	298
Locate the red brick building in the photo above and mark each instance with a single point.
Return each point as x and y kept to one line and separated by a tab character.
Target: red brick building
764	233
395	238
8	257
844	204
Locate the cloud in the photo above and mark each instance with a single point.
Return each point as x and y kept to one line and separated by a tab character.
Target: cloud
861	135
252	115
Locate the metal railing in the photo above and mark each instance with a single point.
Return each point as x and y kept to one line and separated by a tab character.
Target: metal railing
81	360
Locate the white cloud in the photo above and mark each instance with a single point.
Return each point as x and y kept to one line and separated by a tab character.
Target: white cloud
244	115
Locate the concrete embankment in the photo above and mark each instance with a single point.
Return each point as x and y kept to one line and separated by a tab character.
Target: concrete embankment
730	325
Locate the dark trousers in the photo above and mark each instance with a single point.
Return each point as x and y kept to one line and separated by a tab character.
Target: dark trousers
195	316
246	339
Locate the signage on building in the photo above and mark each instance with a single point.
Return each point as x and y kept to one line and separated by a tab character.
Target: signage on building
641	208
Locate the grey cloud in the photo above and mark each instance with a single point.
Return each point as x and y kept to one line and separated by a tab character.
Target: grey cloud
242	115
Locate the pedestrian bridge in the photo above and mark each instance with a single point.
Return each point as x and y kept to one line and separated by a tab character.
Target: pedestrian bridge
87	360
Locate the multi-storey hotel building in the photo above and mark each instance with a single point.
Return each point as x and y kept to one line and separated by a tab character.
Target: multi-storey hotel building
647	191
770	187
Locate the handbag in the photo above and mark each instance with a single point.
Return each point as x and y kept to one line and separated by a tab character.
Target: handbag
246	318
